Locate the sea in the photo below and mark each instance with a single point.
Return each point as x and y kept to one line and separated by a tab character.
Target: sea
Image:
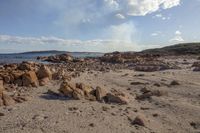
20	57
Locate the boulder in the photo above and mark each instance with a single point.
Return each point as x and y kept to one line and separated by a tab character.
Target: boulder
116	97
100	93
139	120
17	74
25	66
30	79
44	81
174	82
7	100
85	88
78	94
67	89
44	72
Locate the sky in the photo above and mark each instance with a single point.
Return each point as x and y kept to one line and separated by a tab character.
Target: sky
96	25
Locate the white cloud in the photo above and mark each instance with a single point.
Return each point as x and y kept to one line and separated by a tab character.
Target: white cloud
160	16
22	44
144	7
157	33
120	16
178	37
154	34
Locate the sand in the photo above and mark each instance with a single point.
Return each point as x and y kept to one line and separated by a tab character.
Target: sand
176	112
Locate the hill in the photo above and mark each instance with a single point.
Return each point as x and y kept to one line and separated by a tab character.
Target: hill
178	49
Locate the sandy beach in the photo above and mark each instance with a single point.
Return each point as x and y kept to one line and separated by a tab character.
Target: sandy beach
175	109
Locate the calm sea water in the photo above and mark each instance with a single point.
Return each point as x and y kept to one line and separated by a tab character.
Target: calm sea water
17	58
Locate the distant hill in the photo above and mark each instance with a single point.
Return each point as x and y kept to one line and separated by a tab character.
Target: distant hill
178	49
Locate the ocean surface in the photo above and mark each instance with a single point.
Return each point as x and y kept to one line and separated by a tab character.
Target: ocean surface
18	58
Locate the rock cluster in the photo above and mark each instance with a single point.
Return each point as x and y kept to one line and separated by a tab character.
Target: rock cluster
57	58
25	74
80	91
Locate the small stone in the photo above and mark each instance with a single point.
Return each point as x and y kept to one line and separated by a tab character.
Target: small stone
155	115
91	124
2	114
105	108
174	82
73	108
139	120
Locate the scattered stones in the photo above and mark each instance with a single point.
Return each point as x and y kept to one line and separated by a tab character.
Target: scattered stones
73	108
147	94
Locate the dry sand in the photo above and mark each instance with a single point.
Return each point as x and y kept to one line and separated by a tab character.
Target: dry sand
177	112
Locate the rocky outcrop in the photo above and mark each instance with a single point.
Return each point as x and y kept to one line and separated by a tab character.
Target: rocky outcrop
57	58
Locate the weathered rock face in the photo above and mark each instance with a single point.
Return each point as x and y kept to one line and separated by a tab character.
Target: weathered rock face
44	72
30	79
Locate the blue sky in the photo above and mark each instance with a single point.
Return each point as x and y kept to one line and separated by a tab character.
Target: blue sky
96	25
